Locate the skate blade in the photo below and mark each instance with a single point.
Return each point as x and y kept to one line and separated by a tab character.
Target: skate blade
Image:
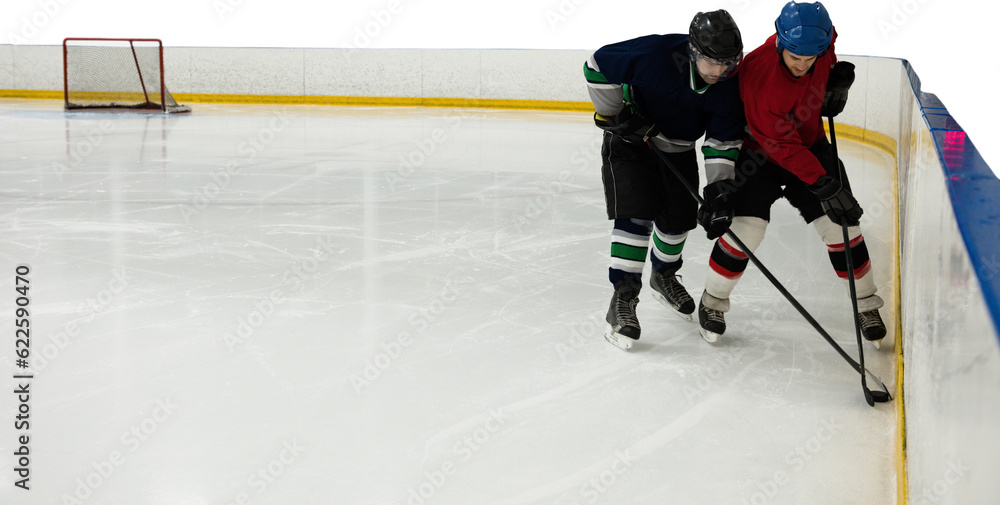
877	344
663	300
709	336
618	340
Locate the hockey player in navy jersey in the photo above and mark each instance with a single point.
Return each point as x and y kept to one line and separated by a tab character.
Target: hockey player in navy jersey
788	84
673	90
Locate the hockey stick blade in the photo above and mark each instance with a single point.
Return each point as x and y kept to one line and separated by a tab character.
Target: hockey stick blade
875	396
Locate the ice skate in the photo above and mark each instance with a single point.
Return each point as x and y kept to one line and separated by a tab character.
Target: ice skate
870	320
712	323
668	290
623	325
872	327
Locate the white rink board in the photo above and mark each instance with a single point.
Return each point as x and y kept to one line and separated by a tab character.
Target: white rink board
952	371
413	73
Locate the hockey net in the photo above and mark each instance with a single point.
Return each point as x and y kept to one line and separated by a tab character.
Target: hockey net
116	74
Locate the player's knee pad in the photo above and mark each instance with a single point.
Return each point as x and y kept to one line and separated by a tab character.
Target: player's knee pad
831	232
750	230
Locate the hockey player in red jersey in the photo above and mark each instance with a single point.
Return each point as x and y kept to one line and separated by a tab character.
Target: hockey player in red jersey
672	89
787	84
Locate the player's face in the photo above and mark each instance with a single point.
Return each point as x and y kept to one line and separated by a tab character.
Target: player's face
711	71
797	65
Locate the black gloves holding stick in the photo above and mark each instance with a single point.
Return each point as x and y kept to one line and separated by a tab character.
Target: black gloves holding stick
837	85
716	214
837	201
632	126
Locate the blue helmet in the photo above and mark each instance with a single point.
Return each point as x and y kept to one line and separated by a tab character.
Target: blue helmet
804	29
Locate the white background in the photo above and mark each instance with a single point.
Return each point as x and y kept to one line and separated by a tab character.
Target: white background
951	44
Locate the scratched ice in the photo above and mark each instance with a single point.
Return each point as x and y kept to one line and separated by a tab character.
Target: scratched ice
373	306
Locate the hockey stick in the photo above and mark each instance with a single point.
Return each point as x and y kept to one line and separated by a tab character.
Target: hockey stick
870	396
767	273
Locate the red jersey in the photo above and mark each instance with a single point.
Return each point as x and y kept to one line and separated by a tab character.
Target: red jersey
783	112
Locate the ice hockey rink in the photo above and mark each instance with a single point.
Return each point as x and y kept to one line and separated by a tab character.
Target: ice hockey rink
255	304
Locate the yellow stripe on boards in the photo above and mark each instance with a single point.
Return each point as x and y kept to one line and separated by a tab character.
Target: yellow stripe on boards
856	133
31	94
377	101
367	101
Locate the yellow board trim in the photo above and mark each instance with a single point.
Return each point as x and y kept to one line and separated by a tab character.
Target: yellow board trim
32	94
902	489
378	101
855	133
367	101
874	139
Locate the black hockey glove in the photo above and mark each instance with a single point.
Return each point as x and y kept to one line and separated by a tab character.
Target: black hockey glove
840	81
837	201
716	215
631	126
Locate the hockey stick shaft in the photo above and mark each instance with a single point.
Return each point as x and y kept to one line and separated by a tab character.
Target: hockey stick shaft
854	304
852	284
767	273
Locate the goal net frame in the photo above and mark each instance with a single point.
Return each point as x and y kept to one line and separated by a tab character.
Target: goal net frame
105	99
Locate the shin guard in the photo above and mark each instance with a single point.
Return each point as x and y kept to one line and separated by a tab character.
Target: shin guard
728	262
833	236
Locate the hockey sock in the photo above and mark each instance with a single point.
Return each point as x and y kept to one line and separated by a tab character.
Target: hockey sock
629	242
833	236
667	247
727	262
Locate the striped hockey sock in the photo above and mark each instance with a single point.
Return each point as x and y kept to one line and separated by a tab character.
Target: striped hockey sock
667	248
629	242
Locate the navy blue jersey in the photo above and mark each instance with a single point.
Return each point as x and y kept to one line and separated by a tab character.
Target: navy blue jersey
654	73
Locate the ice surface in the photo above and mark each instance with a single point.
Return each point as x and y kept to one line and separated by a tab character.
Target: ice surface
373	306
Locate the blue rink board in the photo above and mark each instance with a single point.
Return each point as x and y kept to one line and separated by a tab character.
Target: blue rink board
974	191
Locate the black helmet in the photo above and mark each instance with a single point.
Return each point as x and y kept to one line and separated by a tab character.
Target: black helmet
715	35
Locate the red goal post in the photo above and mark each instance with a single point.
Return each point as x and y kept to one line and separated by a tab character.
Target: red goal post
114	74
